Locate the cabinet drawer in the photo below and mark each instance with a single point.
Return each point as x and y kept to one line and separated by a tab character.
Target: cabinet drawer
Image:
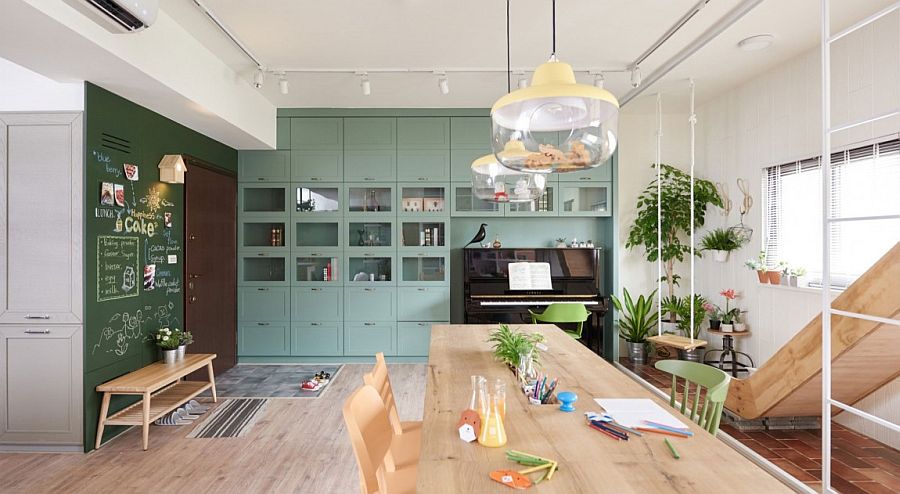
317	165
369	338
315	339
424	303
370	165
262	339
413	338
264	166
264	304
317	303
423	165
370	304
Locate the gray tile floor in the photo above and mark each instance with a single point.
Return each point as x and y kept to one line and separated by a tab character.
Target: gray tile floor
271	381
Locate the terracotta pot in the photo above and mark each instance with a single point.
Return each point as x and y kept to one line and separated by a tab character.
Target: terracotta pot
774	277
763	277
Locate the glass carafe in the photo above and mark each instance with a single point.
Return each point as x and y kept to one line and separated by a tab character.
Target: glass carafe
474	403
484	399
493	434
500	396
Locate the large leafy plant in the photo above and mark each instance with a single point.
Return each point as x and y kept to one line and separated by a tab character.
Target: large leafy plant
636	318
509	344
676	218
684	323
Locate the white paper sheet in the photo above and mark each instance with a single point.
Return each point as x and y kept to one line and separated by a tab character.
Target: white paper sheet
633	412
530	276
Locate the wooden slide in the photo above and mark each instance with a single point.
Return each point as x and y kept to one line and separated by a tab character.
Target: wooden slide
864	354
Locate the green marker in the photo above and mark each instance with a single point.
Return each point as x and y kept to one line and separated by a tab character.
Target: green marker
672	449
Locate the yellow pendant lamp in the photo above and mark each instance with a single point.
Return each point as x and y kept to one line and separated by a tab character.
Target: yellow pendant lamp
584	119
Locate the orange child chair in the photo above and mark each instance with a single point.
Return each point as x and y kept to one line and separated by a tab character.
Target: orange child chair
372	436
380	380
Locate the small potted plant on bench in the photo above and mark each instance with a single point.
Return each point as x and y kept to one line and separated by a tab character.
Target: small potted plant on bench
684	325
168	341
636	319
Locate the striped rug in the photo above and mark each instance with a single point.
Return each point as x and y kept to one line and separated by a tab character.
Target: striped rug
233	418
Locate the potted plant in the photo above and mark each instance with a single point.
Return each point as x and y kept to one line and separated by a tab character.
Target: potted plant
759	265
186	339
676	224
739	324
774	275
636	319
720	241
510	345
672	308
795	275
561	243
714	313
729	314
168	341
684	325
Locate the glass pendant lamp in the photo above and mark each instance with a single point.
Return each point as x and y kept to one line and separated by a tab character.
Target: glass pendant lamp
555	106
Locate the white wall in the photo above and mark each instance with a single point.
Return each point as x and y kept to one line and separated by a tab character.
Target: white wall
24	90
774	119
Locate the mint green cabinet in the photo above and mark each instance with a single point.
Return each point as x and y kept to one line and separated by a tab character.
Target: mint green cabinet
423	200
424	269
424	303
461	162
423	165
317	339
470	132
268	200
318	199
317	233
368	133
370	303
264	304
283	133
264	166
370	166
423	235
370	149
585	199
602	173
369	199
317	304
413	338
369	338
263	235
317	133
317	268
546	205
377	234
262	339
464	203
423	133
317	165
257	268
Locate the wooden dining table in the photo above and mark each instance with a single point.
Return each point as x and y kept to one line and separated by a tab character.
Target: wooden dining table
589	461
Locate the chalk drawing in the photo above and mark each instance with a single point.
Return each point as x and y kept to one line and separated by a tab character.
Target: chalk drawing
128	327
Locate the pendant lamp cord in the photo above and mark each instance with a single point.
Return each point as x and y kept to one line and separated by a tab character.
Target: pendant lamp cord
554	27
508	66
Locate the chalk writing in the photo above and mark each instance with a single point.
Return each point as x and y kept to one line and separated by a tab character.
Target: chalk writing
117	262
127	327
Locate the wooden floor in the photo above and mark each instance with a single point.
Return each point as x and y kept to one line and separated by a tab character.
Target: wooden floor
299	445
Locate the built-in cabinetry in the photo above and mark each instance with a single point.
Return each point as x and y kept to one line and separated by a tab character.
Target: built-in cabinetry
41	282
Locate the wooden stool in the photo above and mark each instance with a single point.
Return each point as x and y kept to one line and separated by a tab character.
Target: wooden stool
728	350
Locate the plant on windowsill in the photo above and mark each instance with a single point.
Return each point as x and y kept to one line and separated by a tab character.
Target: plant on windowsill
721	241
510	345
759	265
636	319
775	274
794	275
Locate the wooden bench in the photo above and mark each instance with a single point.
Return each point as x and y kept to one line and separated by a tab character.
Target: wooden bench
675	341
162	389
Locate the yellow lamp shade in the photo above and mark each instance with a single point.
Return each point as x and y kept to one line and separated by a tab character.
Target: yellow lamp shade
493	182
581	118
172	169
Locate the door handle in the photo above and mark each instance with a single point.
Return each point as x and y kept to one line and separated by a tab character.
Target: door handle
42	316
192	237
192	299
37	331
194	276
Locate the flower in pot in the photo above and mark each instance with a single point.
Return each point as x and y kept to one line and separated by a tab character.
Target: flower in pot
510	345
167	340
561	243
684	325
729	314
759	265
714	313
636	319
720	241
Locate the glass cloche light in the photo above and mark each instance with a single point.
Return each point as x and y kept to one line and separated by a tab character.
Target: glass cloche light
584	117
493	182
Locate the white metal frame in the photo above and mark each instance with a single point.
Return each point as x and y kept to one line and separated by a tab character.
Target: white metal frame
827	221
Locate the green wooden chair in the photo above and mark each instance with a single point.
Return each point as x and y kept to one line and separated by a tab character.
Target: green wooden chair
563	313
702	376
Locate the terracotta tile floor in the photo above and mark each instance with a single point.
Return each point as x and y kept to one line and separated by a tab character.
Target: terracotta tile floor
859	464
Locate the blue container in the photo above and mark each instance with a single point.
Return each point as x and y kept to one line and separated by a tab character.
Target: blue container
567	398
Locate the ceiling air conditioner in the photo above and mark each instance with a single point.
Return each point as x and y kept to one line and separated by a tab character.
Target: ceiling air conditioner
119	16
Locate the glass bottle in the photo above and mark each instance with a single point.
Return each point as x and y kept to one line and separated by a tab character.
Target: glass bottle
484	399
500	396
474	403
493	434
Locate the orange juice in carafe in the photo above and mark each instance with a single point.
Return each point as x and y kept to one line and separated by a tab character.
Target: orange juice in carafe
493	434
500	395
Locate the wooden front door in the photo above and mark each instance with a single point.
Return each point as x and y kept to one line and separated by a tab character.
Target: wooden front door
210	262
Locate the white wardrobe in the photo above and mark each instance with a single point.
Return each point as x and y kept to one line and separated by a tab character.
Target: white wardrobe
41	282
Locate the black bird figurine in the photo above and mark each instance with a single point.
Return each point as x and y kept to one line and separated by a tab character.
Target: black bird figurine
478	236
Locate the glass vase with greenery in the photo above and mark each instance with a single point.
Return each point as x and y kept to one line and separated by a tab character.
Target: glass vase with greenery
509	344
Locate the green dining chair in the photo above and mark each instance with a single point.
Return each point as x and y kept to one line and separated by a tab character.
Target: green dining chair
563	313
701	376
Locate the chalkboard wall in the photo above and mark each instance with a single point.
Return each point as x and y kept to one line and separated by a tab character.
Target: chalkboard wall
133	238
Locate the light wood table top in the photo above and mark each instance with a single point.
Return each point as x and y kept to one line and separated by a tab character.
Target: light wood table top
156	375
588	460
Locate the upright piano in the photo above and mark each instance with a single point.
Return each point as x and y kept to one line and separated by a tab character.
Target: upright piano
575	274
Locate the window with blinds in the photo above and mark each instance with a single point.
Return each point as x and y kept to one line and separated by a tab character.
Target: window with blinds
865	181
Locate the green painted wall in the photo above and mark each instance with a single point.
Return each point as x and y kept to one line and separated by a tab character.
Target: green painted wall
118	318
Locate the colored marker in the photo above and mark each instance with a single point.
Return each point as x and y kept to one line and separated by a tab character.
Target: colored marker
672	448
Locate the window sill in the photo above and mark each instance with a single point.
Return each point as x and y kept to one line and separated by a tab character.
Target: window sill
800	289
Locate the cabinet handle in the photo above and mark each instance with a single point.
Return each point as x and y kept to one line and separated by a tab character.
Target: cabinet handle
315	254
263	289
262	254
422	179
37	331
42	316
314	324
368	324
422	289
423	324
368	254
420	254
314	179
584	178
369	289
262	324
315	289
369	179
260	179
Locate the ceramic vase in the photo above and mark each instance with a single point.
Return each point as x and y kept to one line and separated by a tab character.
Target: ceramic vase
727	328
739	327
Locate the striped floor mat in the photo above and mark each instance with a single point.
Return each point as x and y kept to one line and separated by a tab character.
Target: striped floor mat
233	418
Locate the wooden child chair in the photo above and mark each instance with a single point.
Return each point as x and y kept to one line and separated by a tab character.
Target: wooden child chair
702	376
408	441
372	435
563	313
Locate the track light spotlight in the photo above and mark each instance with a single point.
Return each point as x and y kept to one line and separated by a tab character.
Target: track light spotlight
523	83
283	85
259	78
365	84
443	84
635	76
599	80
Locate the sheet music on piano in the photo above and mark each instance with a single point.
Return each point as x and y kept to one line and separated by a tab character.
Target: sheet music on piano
530	276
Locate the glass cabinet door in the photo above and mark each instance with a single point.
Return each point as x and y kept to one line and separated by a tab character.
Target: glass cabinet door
370	199
423	235
262	269
466	204
419	200
543	206
262	200
317	199
317	268
370	235
370	268
423	269
314	233
269	235
585	200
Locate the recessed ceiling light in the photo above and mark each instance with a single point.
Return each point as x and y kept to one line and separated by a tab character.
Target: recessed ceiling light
755	43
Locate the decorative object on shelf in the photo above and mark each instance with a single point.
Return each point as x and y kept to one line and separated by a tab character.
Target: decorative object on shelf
172	169
739	325
676	207
774	275
555	102
721	242
567	400
590	244
794	275
434	205
759	265
561	243
742	232
168	341
636	319
413	204
479	236
497	243
277	237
